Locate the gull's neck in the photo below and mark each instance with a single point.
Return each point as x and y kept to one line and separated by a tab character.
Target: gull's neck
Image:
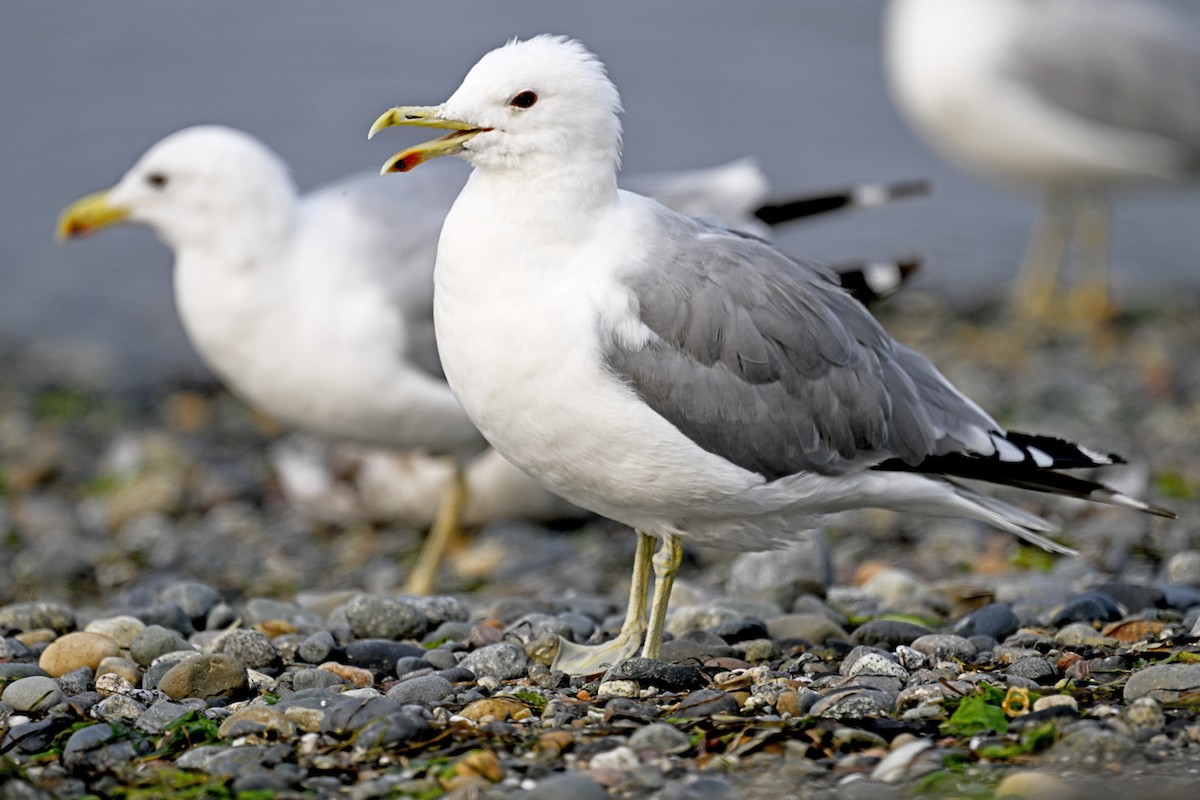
557	192
250	234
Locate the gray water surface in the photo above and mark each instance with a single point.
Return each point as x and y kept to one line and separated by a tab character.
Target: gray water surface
87	87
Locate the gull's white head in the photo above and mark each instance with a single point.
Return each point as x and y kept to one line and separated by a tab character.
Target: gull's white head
528	105
191	188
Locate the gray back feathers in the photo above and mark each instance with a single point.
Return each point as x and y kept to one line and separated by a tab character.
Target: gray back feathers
766	362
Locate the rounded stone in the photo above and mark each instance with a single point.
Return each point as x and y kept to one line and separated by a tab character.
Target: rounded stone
888	633
877	664
1034	668
1184	568
995	621
195	599
154	641
423	691
1087	607
815	628
205	675
119	665
1035	786
374	617
20	617
503	660
253	649
121	629
35	693
258	721
1055	701
74	650
854	704
1166	683
939	647
660	737
1079	634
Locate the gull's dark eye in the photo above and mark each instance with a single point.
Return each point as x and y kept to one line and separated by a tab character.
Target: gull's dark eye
524	99
157	180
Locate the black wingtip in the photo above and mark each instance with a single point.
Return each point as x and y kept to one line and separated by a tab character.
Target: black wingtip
867	195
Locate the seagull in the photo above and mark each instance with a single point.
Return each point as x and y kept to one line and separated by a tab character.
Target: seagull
1072	98
687	380
318	309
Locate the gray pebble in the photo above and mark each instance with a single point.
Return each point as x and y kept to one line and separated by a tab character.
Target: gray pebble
380	655
253	649
939	647
118	708
232	762
18	617
168	615
996	620
1184	568
707	703
702	788
888	633
653	672
660	737
780	576
374	617
421	691
693	647
1166	683
854	703
878	665
265	609
441	658
317	647
16	670
193	598
35	693
1143	718
1087	607
305	679
528	628
156	718
441	608
1087	743
572	785
504	660
160	666
154	641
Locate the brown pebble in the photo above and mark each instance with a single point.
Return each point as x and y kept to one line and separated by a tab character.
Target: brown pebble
257	721
35	636
75	650
205	675
123	667
357	677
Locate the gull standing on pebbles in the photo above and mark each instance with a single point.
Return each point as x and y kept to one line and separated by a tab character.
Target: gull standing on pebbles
318	310
1071	97
686	380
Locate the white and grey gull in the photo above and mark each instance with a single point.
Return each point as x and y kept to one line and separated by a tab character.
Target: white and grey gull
1070	98
686	380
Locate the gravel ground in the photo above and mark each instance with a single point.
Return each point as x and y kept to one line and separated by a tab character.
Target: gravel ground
170	627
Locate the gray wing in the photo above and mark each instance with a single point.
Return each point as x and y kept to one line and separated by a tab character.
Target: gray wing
1127	63
392	224
766	362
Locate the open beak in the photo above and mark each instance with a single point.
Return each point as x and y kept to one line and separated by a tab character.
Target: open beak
88	214
424	117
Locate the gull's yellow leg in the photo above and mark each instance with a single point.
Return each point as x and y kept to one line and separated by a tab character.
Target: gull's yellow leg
580	659
666	564
446	526
1090	302
1036	287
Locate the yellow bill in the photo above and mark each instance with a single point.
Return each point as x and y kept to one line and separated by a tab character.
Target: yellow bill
88	214
424	117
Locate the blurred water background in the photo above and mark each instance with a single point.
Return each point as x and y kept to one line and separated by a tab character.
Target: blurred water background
86	87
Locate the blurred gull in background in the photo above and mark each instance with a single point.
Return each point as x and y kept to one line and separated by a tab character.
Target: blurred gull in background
318	311
1070	97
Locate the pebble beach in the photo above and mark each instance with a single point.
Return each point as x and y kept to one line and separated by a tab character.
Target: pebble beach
172	627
